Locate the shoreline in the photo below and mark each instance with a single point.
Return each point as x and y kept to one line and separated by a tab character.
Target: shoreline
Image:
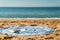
31	18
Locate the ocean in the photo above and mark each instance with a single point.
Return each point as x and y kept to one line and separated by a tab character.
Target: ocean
29	12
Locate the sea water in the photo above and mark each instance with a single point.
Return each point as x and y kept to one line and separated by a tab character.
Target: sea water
29	12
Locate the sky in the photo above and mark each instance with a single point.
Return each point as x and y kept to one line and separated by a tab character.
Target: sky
29	3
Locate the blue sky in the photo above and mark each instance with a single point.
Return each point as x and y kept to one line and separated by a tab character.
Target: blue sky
29	3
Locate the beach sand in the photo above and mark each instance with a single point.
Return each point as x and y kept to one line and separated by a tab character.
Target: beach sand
51	23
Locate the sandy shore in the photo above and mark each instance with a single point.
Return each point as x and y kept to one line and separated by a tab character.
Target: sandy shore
47	22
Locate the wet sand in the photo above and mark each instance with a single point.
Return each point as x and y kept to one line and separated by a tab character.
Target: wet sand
51	23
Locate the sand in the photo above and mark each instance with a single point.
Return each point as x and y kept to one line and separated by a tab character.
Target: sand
51	23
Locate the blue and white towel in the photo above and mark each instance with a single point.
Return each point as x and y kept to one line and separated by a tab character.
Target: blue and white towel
26	30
